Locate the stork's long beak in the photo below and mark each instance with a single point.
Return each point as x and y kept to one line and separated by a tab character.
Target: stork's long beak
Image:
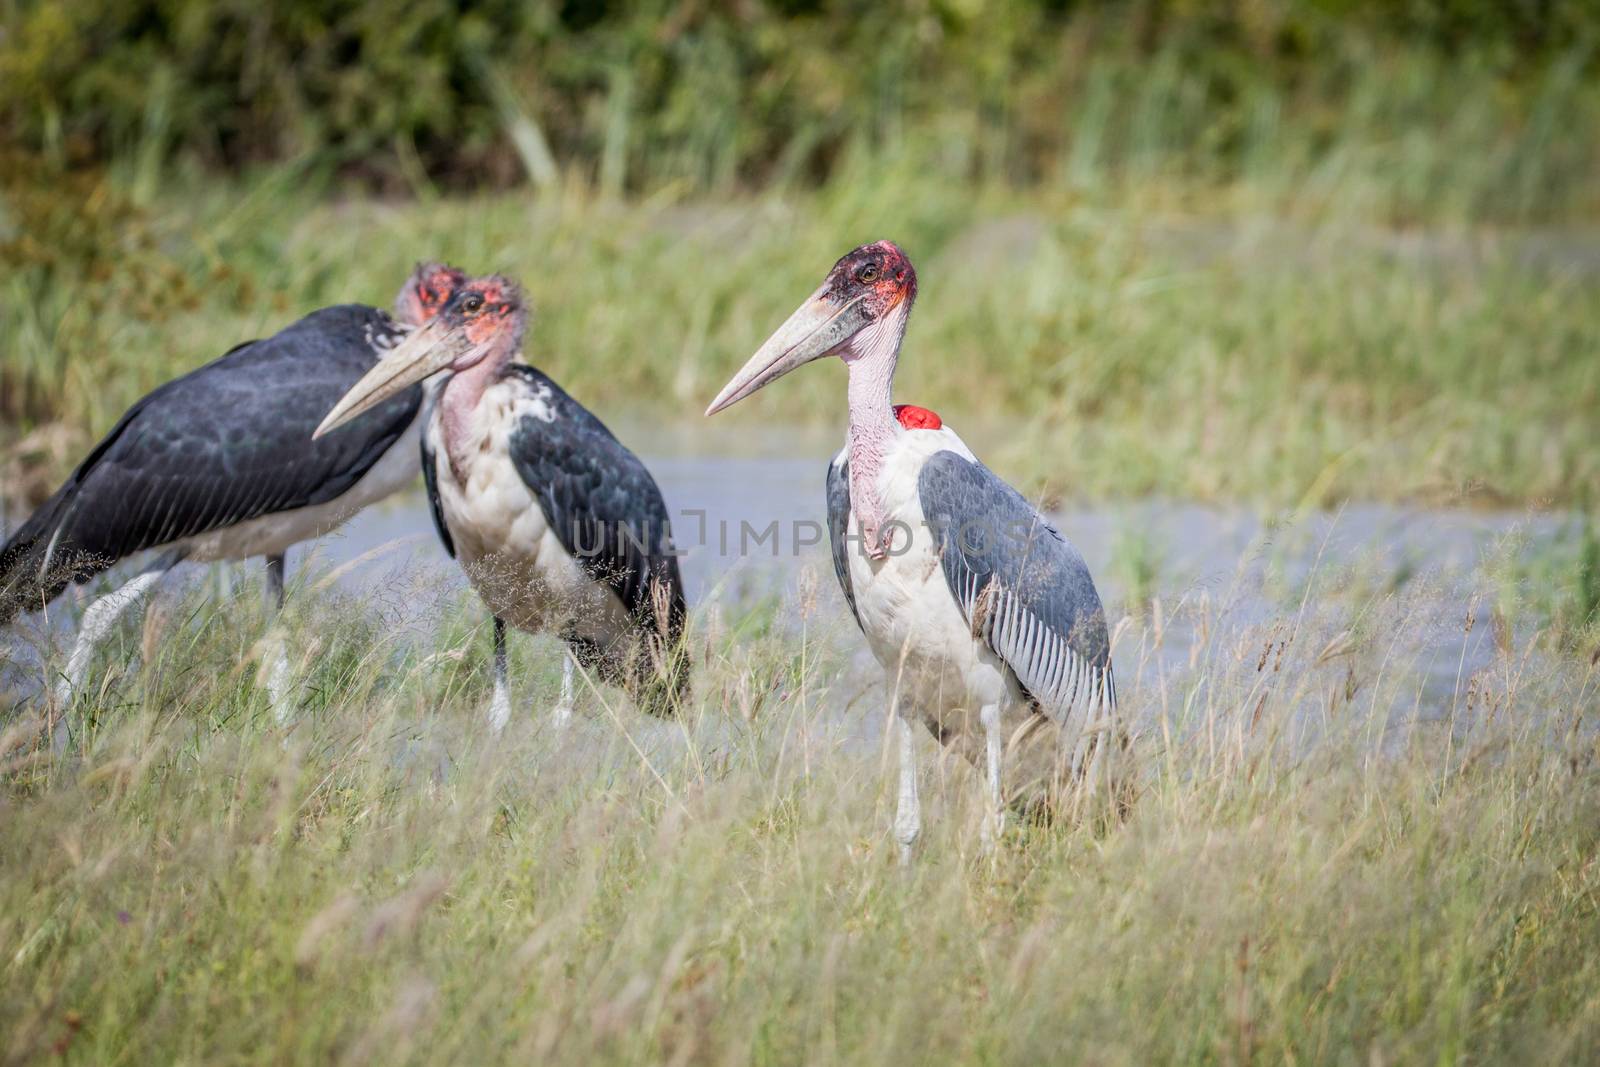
815	329
429	349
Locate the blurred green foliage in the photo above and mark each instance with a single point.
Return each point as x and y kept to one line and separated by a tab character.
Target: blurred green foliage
1356	228
403	95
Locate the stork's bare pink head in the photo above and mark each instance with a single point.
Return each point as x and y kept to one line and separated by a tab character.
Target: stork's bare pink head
426	291
859	311
483	318
485	315
880	273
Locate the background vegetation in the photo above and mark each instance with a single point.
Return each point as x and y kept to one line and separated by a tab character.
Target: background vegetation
714	95
1091	347
1286	250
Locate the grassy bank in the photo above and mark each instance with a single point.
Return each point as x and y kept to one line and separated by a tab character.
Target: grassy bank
1207	342
1290	252
1330	859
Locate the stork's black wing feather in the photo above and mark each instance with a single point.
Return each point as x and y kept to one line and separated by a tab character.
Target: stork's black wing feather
1019	584
430	476
227	442
839	527
602	504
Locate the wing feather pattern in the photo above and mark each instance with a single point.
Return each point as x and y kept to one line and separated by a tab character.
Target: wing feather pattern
604	507
1020	585
227	442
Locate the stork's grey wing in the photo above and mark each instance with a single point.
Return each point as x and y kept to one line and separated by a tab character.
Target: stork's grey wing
227	442
601	502
430	475
1020	585
839	527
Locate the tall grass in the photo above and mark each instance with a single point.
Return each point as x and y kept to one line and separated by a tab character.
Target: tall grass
1269	254
1124	344
1331	857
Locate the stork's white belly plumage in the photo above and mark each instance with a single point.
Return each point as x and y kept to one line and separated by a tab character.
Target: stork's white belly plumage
934	664
502	538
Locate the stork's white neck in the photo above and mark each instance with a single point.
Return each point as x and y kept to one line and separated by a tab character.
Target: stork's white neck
871	357
459	401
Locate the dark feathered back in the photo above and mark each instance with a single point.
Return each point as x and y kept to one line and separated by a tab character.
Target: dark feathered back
608	512
225	443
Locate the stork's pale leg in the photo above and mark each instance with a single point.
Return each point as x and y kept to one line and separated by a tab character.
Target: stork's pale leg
562	714
908	812
994	819
102	616
1103	774
500	703
279	689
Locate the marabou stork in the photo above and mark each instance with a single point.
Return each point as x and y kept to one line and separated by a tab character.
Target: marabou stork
981	613
219	464
558	526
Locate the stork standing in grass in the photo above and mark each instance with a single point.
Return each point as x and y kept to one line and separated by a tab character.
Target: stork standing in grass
219	464
558	526
984	617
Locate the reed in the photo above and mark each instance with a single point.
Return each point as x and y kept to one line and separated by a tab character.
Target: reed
1338	850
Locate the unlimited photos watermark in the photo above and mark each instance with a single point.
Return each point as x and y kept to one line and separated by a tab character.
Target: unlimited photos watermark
696	531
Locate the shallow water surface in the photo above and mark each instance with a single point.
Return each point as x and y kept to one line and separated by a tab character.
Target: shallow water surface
749	527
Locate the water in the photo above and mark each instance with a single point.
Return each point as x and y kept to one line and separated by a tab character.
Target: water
749	527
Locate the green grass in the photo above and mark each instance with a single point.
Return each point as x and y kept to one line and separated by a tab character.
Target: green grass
1293	254
1424	110
1279	257
1300	877
1112	343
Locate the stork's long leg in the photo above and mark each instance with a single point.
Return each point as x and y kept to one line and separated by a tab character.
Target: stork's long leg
278	681
994	820
275	581
500	703
562	714
102	615
1102	772
908	813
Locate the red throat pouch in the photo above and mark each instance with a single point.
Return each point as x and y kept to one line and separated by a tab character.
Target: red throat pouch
915	418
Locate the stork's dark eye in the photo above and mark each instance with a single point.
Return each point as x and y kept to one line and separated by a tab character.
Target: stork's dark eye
472	304
868	273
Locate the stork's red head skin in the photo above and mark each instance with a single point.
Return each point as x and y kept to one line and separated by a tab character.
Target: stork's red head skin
435	284
915	418
483	307
426	291
881	272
